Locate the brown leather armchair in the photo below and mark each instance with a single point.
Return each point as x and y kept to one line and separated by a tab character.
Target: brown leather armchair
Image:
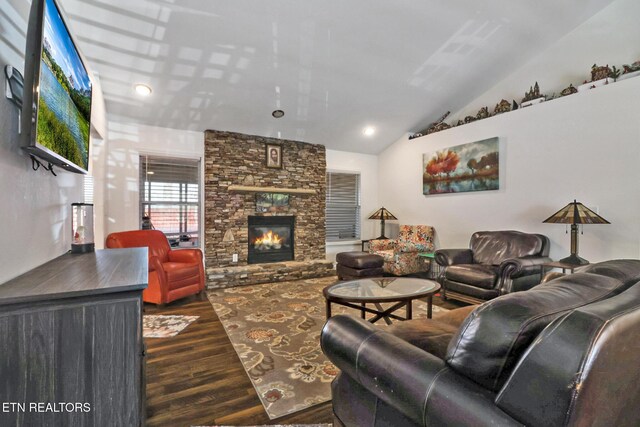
173	274
564	353
496	263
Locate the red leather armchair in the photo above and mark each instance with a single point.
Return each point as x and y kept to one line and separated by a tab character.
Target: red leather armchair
173	274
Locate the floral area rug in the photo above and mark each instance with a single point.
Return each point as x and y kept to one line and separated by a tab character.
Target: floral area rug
275	329
161	326
285	425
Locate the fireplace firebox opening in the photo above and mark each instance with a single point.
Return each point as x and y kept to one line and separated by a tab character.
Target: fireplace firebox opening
271	239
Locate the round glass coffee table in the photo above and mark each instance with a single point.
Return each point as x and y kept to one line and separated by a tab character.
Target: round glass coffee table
377	290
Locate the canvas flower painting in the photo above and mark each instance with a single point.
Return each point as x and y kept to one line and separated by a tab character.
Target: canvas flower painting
468	167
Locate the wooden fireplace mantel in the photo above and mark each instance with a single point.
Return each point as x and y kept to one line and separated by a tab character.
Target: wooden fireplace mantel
252	189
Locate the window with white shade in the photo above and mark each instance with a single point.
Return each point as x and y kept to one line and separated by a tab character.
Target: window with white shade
170	198
343	206
88	188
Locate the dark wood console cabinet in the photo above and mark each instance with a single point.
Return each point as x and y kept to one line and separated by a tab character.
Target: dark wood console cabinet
71	348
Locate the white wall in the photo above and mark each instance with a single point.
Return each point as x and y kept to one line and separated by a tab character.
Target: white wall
98	167
367	166
99	145
583	146
126	143
35	217
609	37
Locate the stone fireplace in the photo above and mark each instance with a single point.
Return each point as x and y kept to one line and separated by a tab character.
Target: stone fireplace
235	171
271	239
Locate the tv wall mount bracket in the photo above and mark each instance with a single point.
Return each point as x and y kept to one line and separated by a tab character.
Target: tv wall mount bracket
14	90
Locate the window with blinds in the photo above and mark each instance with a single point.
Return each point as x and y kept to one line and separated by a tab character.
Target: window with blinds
88	189
343	206
170	198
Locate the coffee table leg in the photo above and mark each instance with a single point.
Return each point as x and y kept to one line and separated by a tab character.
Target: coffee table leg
429	306
328	309
363	304
409	310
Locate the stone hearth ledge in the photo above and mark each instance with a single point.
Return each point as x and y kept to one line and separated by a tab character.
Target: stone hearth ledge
253	274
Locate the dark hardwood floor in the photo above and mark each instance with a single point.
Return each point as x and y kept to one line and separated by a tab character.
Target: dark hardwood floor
196	378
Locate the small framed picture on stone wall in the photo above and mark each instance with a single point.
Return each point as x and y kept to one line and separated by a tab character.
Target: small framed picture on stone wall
274	156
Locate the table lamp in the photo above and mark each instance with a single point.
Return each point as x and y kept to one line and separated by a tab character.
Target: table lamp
575	213
383	215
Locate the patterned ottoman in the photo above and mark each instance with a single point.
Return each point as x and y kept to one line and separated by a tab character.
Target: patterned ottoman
353	265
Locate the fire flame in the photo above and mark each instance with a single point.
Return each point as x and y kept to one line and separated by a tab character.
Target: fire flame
268	239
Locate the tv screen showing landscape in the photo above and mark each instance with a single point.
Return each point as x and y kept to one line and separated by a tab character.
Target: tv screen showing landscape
64	105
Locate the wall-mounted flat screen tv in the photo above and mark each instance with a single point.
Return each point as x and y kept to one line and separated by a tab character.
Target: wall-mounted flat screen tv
58	114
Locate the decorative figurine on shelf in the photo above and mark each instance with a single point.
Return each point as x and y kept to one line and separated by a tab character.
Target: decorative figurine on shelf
533	96
570	90
502	107
460	122
438	125
534	93
441	119
483	113
626	69
469	119
514	105
600	72
437	128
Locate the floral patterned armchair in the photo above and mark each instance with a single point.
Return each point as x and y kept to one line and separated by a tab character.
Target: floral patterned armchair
401	254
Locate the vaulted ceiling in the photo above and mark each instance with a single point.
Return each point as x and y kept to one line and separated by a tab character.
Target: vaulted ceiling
333	66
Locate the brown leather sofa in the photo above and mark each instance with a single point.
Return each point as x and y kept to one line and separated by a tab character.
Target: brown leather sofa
173	274
565	353
496	263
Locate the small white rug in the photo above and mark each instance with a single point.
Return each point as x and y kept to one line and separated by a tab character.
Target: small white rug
165	326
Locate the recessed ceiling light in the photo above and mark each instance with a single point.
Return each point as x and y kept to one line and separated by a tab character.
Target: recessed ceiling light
277	113
143	90
369	131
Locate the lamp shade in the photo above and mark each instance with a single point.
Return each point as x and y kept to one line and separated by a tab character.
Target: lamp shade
383	214
576	213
